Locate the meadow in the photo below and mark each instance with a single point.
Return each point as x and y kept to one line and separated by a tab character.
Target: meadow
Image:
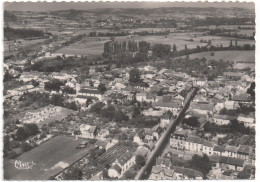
95	45
235	56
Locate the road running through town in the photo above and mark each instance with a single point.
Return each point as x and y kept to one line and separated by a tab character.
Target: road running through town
144	172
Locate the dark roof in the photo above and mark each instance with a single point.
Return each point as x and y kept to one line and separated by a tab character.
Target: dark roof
245	149
157	169
86	97
231	148
194	139
101	143
191	173
90	91
167	104
117	168
242	97
202	106
164	161
224	117
232	74
235	161
124	158
219	148
141	133
208	143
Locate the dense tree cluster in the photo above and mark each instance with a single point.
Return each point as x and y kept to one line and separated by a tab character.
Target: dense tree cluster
11	33
54	85
109	112
26	131
234	127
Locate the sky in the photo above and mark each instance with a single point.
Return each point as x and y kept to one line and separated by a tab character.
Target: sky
47	6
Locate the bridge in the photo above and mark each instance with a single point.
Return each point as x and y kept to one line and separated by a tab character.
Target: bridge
144	172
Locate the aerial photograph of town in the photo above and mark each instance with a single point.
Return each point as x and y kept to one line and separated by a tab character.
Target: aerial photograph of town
128	91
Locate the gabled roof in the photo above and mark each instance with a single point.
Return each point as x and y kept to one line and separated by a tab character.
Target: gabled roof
231	148
191	173
235	161
117	168
124	158
164	161
242	97
141	133
194	139
157	169
167	104
245	149
223	117
208	144
90	91
218	148
168	172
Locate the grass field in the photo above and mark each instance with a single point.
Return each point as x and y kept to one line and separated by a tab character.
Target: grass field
235	56
50	158
95	45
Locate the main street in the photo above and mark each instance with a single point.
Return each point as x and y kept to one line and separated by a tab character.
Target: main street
144	172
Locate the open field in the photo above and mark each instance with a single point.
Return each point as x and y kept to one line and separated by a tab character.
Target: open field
95	45
235	56
50	158
87	46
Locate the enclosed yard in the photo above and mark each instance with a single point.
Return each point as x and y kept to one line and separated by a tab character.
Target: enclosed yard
49	158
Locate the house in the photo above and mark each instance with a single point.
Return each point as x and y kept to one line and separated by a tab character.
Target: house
244	151
248	121
194	144
204	108
139	136
160	173
218	150
142	151
242	98
92	92
222	119
103	133
200	81
163	162
186	173
82	99
208	147
153	112
224	162
232	75
165	119
174	107
114	171
121	165
100	144
178	140
88	131
229	105
141	97
230	151
234	164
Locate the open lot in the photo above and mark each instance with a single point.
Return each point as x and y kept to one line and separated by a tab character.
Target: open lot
235	56
45	115
49	158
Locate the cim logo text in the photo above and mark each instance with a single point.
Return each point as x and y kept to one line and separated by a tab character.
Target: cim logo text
23	165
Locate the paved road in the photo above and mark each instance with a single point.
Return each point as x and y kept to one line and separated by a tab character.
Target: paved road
144	172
